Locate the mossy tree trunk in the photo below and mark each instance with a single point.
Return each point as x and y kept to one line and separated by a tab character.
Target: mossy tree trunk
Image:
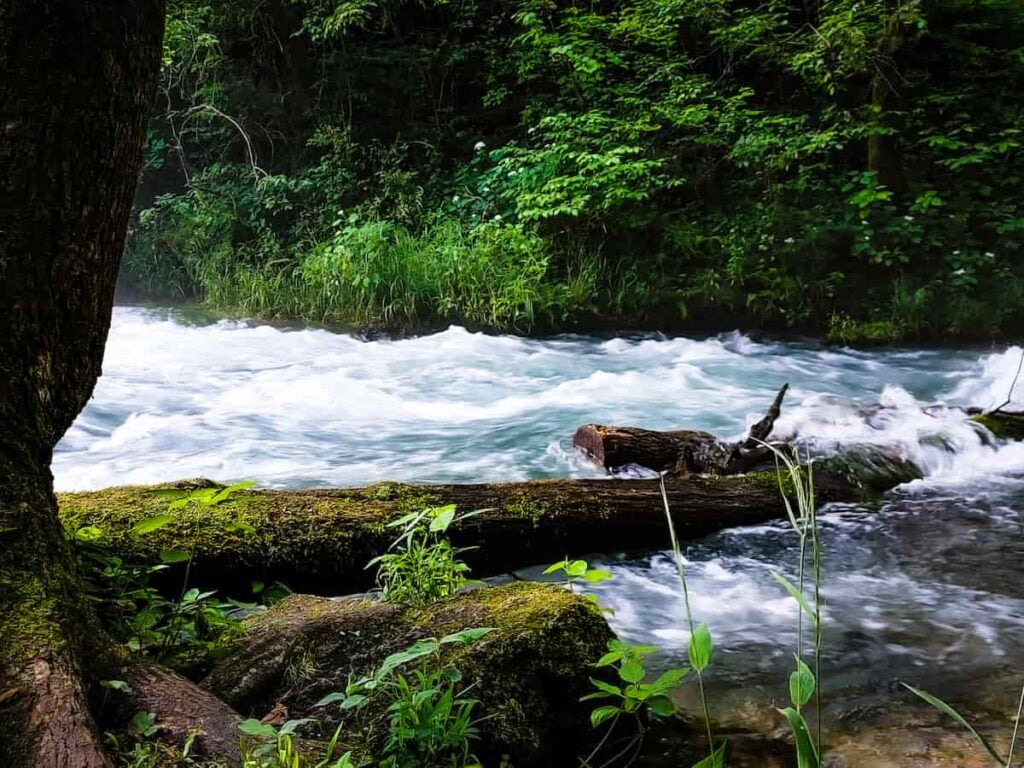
74	96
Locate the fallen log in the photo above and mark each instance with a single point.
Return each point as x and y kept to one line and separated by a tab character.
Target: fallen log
681	451
320	540
684	451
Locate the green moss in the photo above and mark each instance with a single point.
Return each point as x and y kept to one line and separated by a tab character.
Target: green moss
1004	425
528	673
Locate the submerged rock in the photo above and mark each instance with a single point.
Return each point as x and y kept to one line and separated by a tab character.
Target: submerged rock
1006	425
528	673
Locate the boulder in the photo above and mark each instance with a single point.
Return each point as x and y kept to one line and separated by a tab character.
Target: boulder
528	673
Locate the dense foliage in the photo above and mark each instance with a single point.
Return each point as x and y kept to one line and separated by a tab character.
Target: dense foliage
852	166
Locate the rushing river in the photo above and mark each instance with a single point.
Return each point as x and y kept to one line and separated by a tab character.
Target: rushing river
925	588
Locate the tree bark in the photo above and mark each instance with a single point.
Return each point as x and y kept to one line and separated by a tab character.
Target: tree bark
319	541
617	447
75	92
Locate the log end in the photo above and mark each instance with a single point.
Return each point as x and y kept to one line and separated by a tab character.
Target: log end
590	439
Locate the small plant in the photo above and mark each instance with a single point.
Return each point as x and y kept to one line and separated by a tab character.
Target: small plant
430	719
630	696
421	565
270	747
701	643
180	633
803	682
942	706
576	570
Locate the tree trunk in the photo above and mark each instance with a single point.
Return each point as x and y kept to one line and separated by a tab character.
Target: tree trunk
319	541
77	81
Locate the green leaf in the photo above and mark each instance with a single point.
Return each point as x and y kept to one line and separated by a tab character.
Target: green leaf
88	533
331	698
669	680
601	714
116	685
354	701
596	575
801	684
632	671
942	706
171	556
609	658
662	706
467	635
143	724
152	524
443	517
576	568
255	728
700	648
795	594
601	685
806	754
715	760
555	567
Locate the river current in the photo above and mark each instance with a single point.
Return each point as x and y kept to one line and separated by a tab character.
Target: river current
925	587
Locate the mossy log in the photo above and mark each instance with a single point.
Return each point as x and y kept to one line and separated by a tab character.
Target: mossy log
320	540
528	673
1006	425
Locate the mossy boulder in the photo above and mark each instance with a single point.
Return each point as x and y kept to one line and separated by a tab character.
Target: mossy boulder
1005	425
528	673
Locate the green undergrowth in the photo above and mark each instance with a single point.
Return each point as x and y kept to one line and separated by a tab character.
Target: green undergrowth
849	168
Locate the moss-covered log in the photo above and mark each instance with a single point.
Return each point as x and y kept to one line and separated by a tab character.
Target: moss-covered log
528	673
1006	425
321	540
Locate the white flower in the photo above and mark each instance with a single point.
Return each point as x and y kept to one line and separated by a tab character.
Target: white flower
531	129
789	241
497	217
960	271
989	255
455	199
956	253
479	145
487	189
908	218
762	247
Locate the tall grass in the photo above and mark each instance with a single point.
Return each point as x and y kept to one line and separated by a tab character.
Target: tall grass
796	486
374	273
700	636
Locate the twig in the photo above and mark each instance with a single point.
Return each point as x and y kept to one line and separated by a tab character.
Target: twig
1013	386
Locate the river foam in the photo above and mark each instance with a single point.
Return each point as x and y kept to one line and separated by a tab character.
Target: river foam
236	400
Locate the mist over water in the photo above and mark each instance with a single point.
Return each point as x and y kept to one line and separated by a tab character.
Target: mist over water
924	588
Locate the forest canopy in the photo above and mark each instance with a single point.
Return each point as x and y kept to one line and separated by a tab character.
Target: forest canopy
848	167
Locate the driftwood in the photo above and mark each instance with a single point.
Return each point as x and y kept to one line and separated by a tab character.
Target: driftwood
693	451
682	451
321	540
